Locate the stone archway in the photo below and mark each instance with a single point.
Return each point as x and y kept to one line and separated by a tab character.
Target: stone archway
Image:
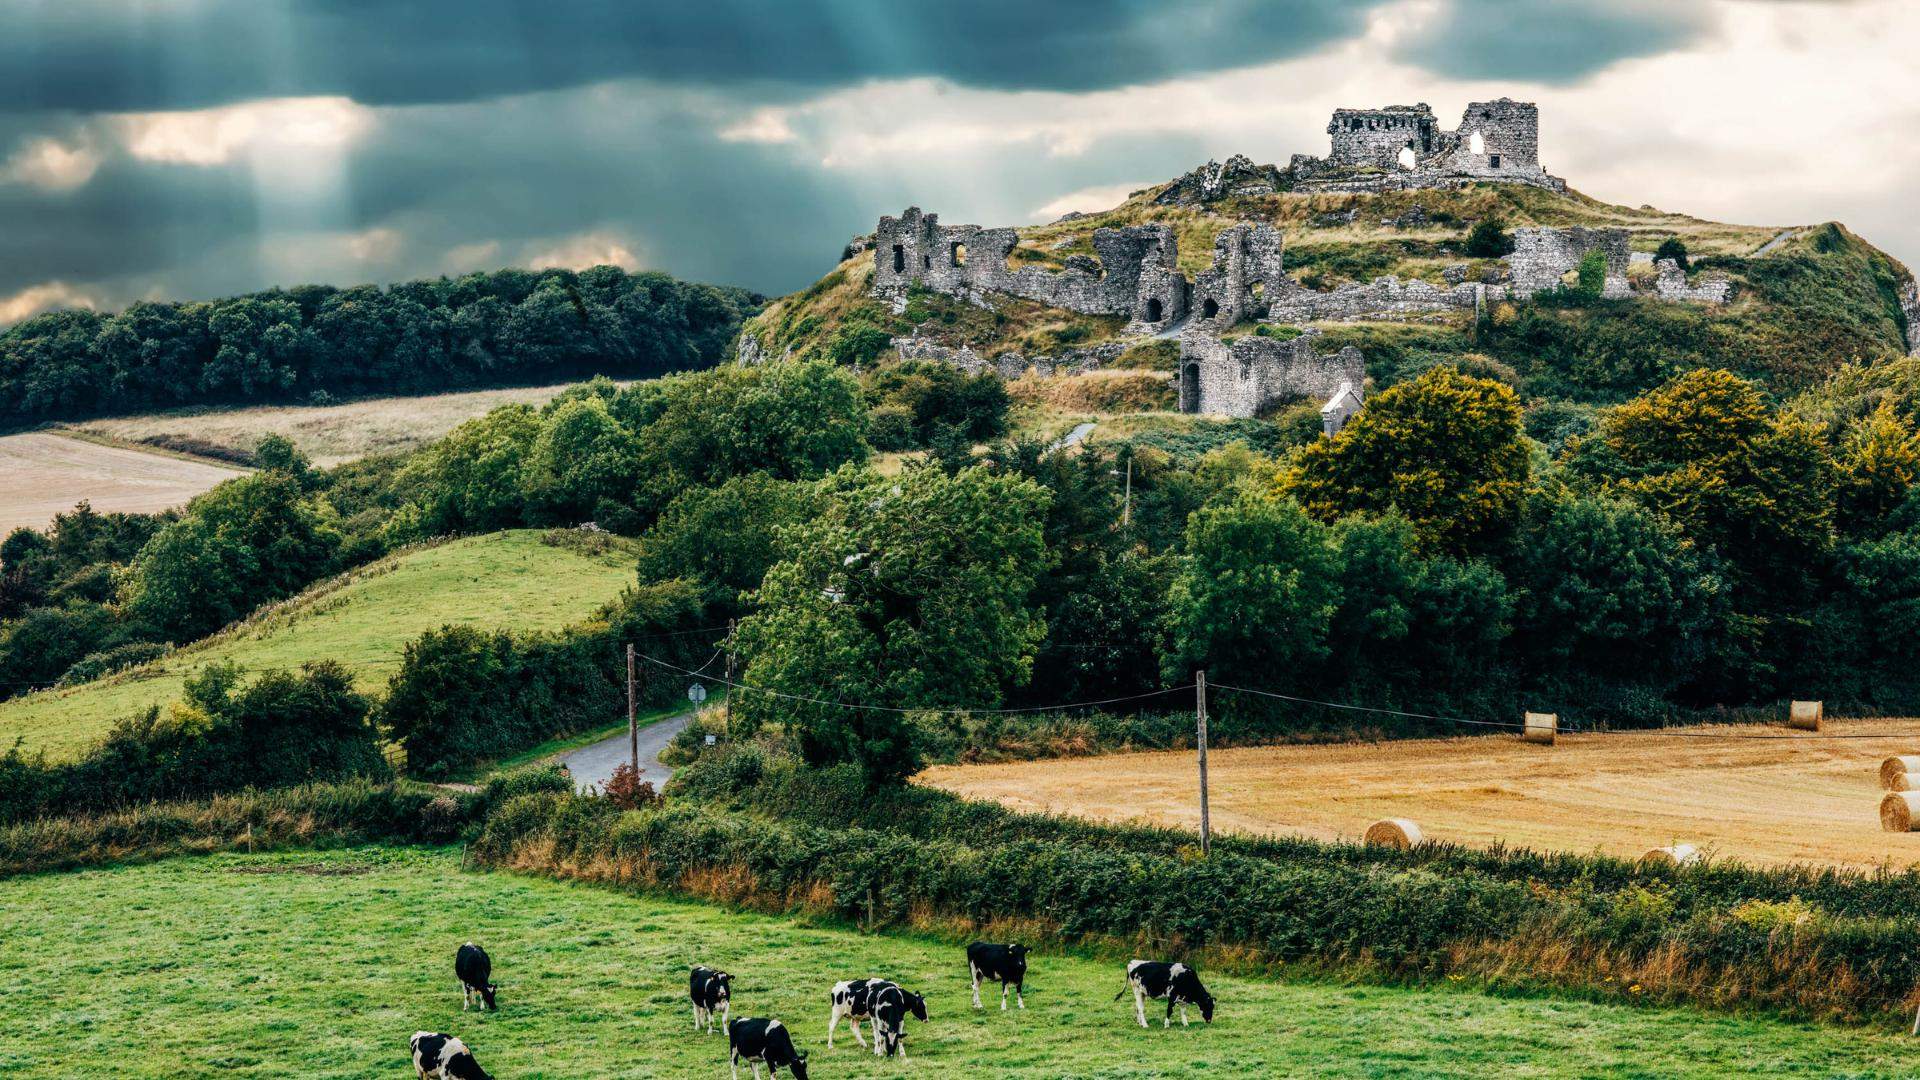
1190	388
1153	309
1209	308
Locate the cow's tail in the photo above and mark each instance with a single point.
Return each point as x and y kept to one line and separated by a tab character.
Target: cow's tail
1124	987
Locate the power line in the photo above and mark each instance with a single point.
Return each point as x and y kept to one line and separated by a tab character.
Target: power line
733	685
1366	708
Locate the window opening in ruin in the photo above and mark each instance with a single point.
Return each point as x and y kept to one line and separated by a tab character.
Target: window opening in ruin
1493	161
1153	309
1476	145
1406	156
926	262
1210	308
899	258
958	256
1190	388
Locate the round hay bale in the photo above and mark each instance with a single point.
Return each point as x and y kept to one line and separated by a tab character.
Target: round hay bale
1672	855
1900	811
1894	770
1394	833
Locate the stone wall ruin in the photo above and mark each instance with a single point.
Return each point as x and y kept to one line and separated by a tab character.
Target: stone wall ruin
1248	375
1910	305
1401	147
1543	257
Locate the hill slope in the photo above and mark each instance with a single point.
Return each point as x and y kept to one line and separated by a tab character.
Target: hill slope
363	619
1807	299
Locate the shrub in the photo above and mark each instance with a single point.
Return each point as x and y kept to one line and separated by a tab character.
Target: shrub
1673	248
1488	239
95	665
627	791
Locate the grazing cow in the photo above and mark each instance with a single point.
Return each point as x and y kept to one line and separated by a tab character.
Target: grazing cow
1178	983
443	1057
712	992
755	1041
1004	964
890	1007
880	1001
475	971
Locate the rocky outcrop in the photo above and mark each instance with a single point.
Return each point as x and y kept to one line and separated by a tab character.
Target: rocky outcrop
1216	180
1010	365
1910	304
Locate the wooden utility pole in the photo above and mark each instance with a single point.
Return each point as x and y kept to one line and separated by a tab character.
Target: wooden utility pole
633	724
1126	506
1200	715
729	720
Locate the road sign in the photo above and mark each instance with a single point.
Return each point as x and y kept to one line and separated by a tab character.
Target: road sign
696	693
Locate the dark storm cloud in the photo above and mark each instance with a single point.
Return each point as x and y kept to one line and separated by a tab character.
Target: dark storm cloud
98	55
1550	41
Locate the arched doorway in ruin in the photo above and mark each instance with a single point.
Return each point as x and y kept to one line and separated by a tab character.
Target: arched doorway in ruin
1477	144
1407	157
1209	308
1190	388
1153	309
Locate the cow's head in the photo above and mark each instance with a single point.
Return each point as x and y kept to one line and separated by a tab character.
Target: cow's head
1205	1001
917	1005
1018	952
722	986
800	1067
486	996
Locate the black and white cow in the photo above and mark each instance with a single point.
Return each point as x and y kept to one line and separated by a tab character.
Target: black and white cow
1004	964
1176	982
475	971
882	1002
711	992
443	1057
755	1041
891	1006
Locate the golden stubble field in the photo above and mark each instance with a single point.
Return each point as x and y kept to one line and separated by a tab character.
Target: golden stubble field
42	474
1793	799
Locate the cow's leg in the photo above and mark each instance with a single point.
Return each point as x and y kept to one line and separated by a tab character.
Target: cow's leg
726	1014
1020	993
977	1005
1183	1015
1003	997
1168	1022
1140	1004
855	1021
833	1021
733	1059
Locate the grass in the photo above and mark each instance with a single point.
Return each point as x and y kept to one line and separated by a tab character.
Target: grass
329	434
324	964
43	473
363	619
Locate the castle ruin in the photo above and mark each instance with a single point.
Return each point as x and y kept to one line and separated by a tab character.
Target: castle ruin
1135	272
1403	146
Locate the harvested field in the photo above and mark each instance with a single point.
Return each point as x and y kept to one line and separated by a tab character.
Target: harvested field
1798	798
43	474
329	434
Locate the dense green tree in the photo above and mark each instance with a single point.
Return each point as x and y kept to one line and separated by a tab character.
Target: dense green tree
1488	239
473	479
581	459
1445	450
247	542
724	538
906	593
1256	597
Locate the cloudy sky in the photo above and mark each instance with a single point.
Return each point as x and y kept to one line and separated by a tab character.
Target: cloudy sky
196	148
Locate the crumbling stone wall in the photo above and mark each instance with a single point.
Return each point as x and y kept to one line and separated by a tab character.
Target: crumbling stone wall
1402	147
1010	365
1245	376
1671	284
1247	268
1910	304
1377	137
1293	302
1541	257
1135	275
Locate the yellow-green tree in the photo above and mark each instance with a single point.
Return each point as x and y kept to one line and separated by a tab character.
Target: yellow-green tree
1444	449
1878	464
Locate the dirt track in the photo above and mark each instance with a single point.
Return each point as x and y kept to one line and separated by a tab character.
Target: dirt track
1795	799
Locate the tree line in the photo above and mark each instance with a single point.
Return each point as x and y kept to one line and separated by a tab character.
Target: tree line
315	343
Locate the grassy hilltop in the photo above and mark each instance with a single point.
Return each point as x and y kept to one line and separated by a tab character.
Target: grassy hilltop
1817	298
362	619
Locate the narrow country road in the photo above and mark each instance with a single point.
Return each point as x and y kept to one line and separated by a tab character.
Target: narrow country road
1075	437
592	766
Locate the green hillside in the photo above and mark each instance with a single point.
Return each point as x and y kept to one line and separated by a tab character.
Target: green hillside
1819	296
362	619
593	983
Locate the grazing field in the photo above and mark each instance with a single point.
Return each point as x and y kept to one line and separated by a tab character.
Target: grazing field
510	580
1790	799
43	474
322	965
329	434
